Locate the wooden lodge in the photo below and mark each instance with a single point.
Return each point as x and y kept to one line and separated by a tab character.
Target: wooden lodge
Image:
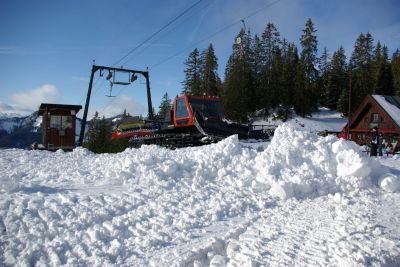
379	111
58	126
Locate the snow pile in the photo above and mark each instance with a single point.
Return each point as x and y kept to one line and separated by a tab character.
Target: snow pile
323	120
390	183
301	164
214	205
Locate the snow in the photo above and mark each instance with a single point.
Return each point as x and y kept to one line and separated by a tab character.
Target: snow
392	110
323	120
37	123
301	200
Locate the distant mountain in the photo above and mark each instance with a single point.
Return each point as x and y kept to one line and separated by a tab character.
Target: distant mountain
19	132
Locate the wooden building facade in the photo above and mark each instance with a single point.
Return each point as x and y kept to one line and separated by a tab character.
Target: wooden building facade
379	111
58	126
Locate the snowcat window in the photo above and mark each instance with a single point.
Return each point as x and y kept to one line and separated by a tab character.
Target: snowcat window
208	108
181	110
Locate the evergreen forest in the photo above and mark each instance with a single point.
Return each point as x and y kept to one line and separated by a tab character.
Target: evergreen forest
268	74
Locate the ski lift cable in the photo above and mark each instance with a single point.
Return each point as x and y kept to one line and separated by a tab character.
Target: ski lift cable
215	33
149	38
96	88
157	32
162	36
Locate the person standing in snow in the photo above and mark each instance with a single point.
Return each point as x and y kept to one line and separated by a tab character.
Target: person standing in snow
380	144
374	142
343	134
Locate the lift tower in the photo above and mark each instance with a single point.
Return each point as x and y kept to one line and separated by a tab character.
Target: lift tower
133	77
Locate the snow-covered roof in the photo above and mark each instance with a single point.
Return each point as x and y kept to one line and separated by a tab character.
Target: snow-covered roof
391	104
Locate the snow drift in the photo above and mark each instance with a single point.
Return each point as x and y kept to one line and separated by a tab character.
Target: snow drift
296	164
301	164
150	206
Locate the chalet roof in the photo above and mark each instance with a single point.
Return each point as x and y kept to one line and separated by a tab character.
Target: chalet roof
43	106
391	104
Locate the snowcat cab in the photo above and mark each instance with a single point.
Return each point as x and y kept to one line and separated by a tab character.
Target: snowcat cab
205	114
188	108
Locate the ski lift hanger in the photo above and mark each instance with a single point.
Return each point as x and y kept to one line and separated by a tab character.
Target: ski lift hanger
112	74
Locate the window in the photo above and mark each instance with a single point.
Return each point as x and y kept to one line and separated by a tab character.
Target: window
208	108
66	122
374	117
60	122
181	110
55	122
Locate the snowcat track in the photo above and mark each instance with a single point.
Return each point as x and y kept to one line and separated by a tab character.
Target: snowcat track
173	140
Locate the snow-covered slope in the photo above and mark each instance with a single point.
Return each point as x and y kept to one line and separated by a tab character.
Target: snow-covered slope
304	200
323	120
9	124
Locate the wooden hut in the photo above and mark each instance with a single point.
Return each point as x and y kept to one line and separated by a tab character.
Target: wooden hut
381	111
58	126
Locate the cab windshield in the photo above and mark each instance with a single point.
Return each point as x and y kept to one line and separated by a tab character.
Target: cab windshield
208	108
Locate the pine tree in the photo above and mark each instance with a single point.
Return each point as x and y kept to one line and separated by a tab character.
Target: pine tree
323	81
192	82
307	93
291	61
99	135
91	140
377	62
338	82
276	81
270	43
208	72
363	75
384	79
125	114
395	64
165	107
302	96
256	61
104	136
238	84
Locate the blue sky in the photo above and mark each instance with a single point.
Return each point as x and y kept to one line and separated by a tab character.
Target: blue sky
47	47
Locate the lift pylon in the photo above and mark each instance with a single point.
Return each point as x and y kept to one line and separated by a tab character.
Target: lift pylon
133	77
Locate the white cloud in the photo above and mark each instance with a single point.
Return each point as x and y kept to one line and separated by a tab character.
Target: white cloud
120	103
13	110
32	99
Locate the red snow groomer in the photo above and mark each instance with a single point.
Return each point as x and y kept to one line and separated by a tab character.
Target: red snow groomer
193	121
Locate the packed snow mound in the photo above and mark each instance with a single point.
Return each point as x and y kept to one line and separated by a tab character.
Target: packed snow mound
296	164
202	206
300	164
390	183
